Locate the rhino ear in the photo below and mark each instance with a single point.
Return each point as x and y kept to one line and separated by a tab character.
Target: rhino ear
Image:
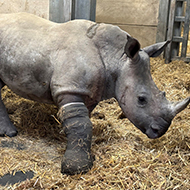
132	47
156	49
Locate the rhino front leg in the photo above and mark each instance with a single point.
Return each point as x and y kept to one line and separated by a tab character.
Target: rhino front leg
78	129
6	126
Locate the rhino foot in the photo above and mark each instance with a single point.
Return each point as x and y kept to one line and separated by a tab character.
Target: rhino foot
78	129
7	129
76	162
6	126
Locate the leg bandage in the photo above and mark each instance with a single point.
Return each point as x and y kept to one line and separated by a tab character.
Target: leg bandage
78	129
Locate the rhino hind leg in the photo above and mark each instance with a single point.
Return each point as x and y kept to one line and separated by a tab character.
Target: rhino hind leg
78	129
6	126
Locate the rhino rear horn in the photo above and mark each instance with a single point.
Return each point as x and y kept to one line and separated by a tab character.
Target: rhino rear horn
132	47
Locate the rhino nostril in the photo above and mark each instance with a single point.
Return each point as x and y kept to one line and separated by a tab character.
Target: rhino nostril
155	129
164	94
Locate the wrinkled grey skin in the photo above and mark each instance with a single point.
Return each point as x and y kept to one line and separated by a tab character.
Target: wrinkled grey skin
80	61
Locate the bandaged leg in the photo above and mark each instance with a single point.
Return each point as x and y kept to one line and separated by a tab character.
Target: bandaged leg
78	129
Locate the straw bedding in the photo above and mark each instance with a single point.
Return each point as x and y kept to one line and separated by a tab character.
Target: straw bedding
125	158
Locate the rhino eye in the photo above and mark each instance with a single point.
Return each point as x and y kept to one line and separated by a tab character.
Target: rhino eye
142	100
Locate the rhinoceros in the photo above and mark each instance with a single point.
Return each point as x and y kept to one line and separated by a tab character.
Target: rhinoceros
75	65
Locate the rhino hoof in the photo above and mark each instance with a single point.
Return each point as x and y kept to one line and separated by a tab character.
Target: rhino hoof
12	133
76	162
8	131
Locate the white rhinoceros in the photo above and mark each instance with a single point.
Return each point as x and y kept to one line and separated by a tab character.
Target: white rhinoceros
75	65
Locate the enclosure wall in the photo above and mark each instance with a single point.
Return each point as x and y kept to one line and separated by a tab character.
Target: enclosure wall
137	17
37	7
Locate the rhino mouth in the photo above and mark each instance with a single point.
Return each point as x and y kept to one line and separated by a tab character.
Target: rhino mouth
157	130
152	133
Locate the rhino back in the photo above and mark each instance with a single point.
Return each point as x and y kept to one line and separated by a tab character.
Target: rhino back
24	64
34	52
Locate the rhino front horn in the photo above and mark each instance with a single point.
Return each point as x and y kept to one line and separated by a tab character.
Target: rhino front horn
179	106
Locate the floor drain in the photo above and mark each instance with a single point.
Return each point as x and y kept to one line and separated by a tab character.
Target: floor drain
15	177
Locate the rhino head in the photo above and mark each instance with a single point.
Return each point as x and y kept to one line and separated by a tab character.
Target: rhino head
138	96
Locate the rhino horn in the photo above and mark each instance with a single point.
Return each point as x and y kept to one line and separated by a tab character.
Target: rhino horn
179	106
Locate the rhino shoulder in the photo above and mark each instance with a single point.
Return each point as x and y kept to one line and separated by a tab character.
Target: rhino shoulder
108	34
91	32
